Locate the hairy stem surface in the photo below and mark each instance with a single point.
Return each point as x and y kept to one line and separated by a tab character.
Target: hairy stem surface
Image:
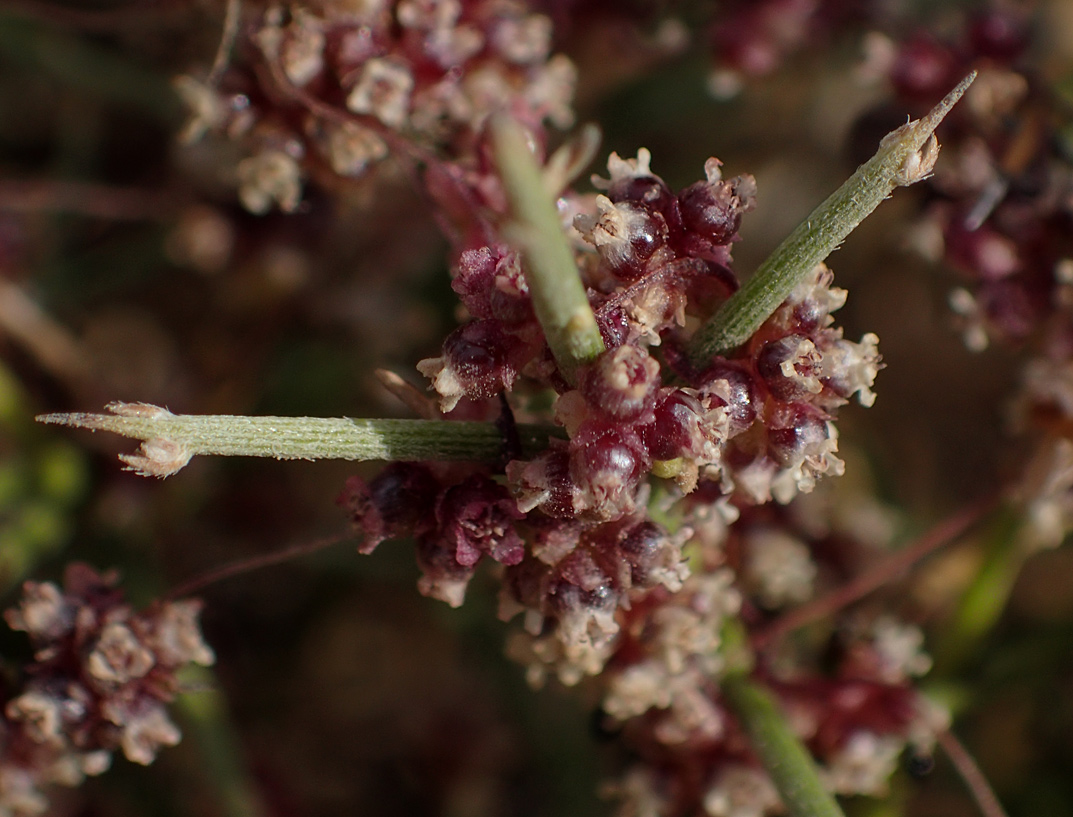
782	753
559	298
905	156
172	439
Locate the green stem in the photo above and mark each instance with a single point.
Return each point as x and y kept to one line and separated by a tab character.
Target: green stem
782	753
172	439
986	597
905	156
559	298
222	765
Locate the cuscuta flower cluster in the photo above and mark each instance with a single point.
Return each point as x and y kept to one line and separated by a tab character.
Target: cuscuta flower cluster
328	89
601	581
99	680
1001	216
661	685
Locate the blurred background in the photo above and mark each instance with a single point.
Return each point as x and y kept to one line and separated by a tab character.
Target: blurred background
130	271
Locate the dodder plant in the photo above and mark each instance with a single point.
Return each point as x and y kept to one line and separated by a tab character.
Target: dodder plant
682	401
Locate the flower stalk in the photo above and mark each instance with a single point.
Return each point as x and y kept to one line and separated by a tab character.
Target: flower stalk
170	440
559	298
905	156
785	758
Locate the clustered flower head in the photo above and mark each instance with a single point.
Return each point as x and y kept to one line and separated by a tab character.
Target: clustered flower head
611	544
99	680
852	703
328	88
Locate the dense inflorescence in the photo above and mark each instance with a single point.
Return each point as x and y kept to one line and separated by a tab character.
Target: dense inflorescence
99	680
661	687
610	543
328	89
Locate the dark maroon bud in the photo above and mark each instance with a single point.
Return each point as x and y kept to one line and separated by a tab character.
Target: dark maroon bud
477	518
796	429
525	582
739	393
607	459
548	476
790	367
924	69
713	209
479	355
614	325
579	584
397	502
622	383
474	280
626	235
983	253
675	430
489	281
998	34
809	315
437	558
1012	306
642	549
649	191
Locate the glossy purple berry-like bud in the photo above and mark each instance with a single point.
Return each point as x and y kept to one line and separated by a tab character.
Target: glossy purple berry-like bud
578	584
544	483
651	192
479	360
713	208
796	430
477	518
675	431
790	367
622	383
625	234
998	34
642	548
734	386
607	459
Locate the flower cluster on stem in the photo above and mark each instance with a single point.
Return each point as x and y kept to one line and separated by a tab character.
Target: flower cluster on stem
98	683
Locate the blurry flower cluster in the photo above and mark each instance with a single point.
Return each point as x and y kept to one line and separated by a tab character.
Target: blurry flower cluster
1001	216
99	680
327	89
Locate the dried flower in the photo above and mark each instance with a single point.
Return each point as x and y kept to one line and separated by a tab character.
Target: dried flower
99	682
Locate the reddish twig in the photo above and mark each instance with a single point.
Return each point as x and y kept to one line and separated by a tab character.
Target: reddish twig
942	534
971	774
248	565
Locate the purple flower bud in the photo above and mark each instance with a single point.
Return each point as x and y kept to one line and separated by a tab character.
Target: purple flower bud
622	383
398	502
477	519
713	208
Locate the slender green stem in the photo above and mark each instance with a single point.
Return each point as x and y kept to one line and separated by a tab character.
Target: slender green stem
905	156
559	298
986	597
782	753
172	439
222	763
